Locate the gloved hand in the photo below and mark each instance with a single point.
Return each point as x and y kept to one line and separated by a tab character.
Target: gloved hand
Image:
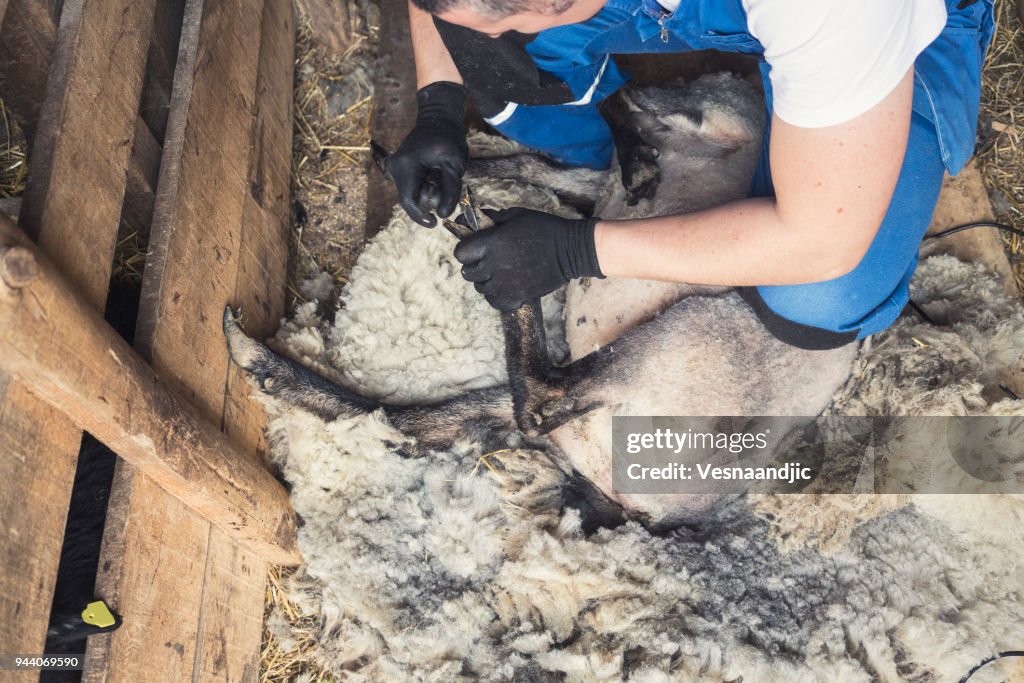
526	255
427	168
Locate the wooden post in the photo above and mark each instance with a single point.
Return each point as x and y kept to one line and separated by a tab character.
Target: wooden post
394	106
27	37
61	83
67	355
192	598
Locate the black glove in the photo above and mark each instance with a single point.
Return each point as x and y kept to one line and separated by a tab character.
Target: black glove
526	255
427	168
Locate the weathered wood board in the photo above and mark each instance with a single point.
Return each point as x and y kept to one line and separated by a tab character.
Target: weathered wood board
27	38
394	106
52	341
77	229
218	236
232	626
26	52
37	465
96	76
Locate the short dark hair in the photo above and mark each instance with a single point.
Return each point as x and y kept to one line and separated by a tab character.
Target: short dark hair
496	9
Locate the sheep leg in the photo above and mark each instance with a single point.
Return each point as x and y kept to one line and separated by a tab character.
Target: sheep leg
544	396
289	381
576	187
540	397
432	426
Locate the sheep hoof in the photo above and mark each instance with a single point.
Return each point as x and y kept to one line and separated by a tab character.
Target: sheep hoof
554	409
244	351
529	423
254	358
641	174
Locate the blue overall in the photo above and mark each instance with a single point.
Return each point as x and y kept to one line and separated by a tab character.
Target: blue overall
947	78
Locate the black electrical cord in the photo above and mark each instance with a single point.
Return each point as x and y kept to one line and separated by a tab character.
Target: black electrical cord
1009	392
1008	653
979	224
920	311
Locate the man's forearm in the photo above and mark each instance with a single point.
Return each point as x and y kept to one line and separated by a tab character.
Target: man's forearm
741	243
433	63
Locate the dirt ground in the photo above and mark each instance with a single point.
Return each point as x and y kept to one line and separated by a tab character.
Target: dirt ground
333	106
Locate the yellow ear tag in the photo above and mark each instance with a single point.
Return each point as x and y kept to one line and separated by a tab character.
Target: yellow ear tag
98	614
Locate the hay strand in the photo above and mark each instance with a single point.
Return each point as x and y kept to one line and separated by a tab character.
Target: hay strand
13	164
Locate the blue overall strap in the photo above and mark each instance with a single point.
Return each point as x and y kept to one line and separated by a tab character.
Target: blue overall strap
942	93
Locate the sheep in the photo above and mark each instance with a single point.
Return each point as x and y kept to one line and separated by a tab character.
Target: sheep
636	347
475	563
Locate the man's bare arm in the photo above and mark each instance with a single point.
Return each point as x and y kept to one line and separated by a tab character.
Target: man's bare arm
833	188
433	63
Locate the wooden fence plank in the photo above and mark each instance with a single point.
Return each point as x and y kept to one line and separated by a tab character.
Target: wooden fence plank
217	217
231	626
266	218
394	106
170	540
195	237
96	76
37	466
71	358
131	554
26	53
78	230
27	39
231	623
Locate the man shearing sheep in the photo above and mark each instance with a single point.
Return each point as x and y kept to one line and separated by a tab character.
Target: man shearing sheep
868	103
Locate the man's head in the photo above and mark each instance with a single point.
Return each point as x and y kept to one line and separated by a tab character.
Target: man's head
495	17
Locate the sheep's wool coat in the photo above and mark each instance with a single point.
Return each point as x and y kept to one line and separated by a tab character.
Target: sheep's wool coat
455	566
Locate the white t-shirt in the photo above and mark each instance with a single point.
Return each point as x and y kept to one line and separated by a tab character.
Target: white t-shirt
833	60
